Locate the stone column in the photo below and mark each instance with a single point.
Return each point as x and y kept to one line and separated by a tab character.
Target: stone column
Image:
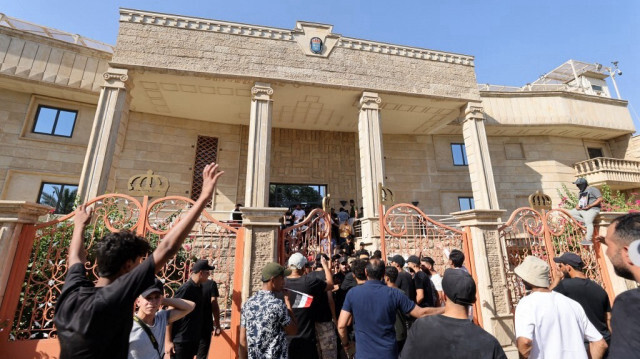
259	154
602	223
371	164
481	226
480	169
107	135
260	244
14	216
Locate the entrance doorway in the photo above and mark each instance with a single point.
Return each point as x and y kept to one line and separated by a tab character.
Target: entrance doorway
288	195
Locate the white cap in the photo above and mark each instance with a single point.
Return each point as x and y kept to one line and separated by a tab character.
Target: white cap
634	252
297	260
534	270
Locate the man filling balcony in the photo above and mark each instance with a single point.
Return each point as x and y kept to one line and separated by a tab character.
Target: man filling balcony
589	202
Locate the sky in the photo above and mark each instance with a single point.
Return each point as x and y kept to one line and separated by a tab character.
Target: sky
514	42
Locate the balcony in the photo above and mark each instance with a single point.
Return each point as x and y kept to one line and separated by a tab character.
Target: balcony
617	173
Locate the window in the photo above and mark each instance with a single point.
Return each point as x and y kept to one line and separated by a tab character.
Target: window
288	195
459	154
206	152
466	203
594	152
60	196
54	121
596	88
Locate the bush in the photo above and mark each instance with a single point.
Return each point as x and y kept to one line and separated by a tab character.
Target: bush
613	202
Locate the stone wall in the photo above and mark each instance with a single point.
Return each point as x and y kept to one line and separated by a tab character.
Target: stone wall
27	159
633	149
174	47
167	145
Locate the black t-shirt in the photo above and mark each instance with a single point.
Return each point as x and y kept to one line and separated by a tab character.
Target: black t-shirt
321	305
443	337
625	326
405	283
348	248
189	328
209	290
95	322
305	317
593	299
422	281
348	282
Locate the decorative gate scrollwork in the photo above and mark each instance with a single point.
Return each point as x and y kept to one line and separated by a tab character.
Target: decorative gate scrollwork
209	239
546	235
309	237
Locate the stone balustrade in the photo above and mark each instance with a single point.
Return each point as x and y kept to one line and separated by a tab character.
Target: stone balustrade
617	173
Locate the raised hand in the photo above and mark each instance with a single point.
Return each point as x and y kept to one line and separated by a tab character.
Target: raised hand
82	215
210	176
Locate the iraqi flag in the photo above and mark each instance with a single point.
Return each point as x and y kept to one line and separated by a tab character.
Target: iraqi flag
302	300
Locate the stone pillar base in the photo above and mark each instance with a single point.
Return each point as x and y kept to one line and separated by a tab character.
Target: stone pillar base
371	233
260	244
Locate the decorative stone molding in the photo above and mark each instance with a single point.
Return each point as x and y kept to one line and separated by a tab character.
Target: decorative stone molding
116	78
299	35
21	211
305	31
261	91
474	111
370	101
148	184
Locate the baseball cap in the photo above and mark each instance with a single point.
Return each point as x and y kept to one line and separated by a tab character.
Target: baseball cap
297	260
362	244
580	180
634	252
156	287
200	265
272	270
413	259
571	259
534	271
397	259
459	286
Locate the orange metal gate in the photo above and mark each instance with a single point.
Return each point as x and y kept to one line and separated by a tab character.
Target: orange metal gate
547	234
406	230
39	268
309	237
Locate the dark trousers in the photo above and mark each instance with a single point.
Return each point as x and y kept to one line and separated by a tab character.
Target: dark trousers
185	350
203	347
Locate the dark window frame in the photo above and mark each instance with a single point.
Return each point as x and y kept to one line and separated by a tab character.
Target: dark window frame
55	121
326	186
465	161
593	149
43	183
471	202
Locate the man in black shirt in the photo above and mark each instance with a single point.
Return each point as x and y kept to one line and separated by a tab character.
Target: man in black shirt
324	308
426	294
621	247
303	290
452	335
573	283
186	332
210	315
404	281
95	320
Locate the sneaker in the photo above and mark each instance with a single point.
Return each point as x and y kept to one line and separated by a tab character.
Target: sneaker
586	243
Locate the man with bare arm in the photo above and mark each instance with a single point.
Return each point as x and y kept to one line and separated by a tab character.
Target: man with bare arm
94	320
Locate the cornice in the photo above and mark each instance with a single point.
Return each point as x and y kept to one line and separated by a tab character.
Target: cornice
231	28
568	94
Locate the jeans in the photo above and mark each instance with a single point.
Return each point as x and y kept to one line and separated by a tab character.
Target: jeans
586	216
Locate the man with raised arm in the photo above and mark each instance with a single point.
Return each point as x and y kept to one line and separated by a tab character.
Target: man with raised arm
94	320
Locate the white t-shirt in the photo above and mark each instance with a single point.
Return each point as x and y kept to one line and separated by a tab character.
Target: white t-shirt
437	281
299	215
556	324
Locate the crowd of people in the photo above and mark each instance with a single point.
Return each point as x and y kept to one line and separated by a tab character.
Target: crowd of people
353	304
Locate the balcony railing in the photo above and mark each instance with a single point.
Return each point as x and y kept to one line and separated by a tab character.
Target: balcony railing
617	173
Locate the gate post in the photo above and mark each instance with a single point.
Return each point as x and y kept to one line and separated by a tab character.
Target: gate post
482	227
618	284
260	244
14	216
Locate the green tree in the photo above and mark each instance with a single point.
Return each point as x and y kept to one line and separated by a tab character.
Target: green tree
62	200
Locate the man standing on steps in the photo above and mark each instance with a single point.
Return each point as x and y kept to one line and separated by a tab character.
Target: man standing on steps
589	203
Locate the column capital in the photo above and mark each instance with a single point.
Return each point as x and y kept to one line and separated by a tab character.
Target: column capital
116	78
473	110
262	216
21	211
370	101
261	91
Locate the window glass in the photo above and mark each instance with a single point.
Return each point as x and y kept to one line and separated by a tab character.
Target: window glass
466	203
60	196
459	154
54	121
288	195
594	152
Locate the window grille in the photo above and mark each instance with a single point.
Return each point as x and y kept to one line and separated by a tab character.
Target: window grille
206	152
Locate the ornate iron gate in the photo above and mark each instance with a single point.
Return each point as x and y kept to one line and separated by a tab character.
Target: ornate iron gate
406	230
309	237
547	234
40	267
